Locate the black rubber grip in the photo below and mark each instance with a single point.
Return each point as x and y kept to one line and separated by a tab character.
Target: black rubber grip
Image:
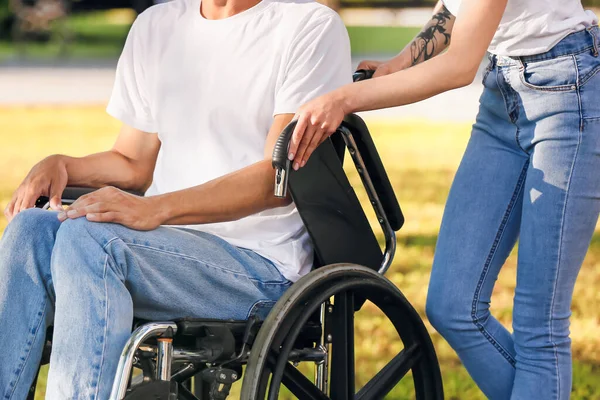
362	74
280	152
72	193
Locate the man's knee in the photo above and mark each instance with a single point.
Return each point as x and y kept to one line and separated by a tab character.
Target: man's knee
82	248
32	223
79	245
31	232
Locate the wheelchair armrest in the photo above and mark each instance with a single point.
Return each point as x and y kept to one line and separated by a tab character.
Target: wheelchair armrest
72	193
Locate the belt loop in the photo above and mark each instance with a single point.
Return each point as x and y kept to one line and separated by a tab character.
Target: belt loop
521	63
593	31
492	59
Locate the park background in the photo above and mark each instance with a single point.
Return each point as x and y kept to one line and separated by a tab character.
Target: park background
55	79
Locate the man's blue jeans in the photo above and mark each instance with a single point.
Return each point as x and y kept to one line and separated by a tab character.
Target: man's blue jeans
531	171
90	279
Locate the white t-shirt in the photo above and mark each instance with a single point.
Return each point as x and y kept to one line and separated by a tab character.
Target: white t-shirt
534	26
210	89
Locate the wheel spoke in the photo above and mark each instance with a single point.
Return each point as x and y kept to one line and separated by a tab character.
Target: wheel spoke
386	379
342	355
300	385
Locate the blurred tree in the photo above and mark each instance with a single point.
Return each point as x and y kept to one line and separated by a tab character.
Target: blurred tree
6	20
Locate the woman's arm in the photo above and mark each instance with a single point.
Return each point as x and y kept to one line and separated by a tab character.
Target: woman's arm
431	41
473	31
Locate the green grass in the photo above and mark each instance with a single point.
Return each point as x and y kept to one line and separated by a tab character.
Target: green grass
421	158
101	35
380	39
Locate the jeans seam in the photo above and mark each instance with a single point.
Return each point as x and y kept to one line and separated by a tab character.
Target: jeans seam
503	94
105	328
37	330
560	241
486	267
204	262
506	107
258	303
519	140
551	57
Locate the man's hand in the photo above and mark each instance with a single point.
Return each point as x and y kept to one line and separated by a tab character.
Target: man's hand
47	178
110	204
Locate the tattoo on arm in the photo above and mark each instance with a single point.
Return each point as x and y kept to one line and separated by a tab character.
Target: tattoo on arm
427	43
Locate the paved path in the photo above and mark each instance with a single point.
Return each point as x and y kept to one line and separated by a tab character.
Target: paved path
92	84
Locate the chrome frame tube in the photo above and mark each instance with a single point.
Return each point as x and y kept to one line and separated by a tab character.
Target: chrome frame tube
388	232
322	366
184	355
164	358
281	181
138	337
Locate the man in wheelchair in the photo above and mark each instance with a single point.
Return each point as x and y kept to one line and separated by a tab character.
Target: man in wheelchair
203	91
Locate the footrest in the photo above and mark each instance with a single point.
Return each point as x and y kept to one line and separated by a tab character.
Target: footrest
157	390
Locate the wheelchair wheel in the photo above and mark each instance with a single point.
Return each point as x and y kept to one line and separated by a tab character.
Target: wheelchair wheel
349	286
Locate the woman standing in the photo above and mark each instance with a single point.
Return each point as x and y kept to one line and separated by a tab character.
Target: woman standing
531	171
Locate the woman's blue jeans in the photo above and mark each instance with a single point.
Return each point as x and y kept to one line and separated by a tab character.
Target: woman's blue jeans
531	171
90	279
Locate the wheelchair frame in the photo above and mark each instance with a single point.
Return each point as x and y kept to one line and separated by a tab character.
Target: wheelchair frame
303	326
166	354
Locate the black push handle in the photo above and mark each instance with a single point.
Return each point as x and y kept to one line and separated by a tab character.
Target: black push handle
362	74
281	162
280	152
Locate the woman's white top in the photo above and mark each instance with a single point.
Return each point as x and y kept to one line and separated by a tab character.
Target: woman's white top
534	26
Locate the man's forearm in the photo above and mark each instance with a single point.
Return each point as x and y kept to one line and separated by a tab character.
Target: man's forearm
228	198
108	168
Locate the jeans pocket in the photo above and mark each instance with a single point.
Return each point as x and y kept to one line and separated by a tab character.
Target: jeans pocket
588	65
559	74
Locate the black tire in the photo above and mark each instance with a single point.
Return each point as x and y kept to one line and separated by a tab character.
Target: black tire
268	367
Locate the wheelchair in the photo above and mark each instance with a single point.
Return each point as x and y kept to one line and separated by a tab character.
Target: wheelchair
313	322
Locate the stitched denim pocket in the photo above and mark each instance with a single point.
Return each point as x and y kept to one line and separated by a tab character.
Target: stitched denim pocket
554	75
588	65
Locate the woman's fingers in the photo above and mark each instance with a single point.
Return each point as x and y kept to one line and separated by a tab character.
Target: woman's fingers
299	132
382	70
369	65
307	138
318	138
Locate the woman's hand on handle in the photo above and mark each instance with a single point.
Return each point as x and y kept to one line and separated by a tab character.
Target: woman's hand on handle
381	68
317	120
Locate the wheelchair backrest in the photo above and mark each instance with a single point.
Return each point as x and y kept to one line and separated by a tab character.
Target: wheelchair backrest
329	207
